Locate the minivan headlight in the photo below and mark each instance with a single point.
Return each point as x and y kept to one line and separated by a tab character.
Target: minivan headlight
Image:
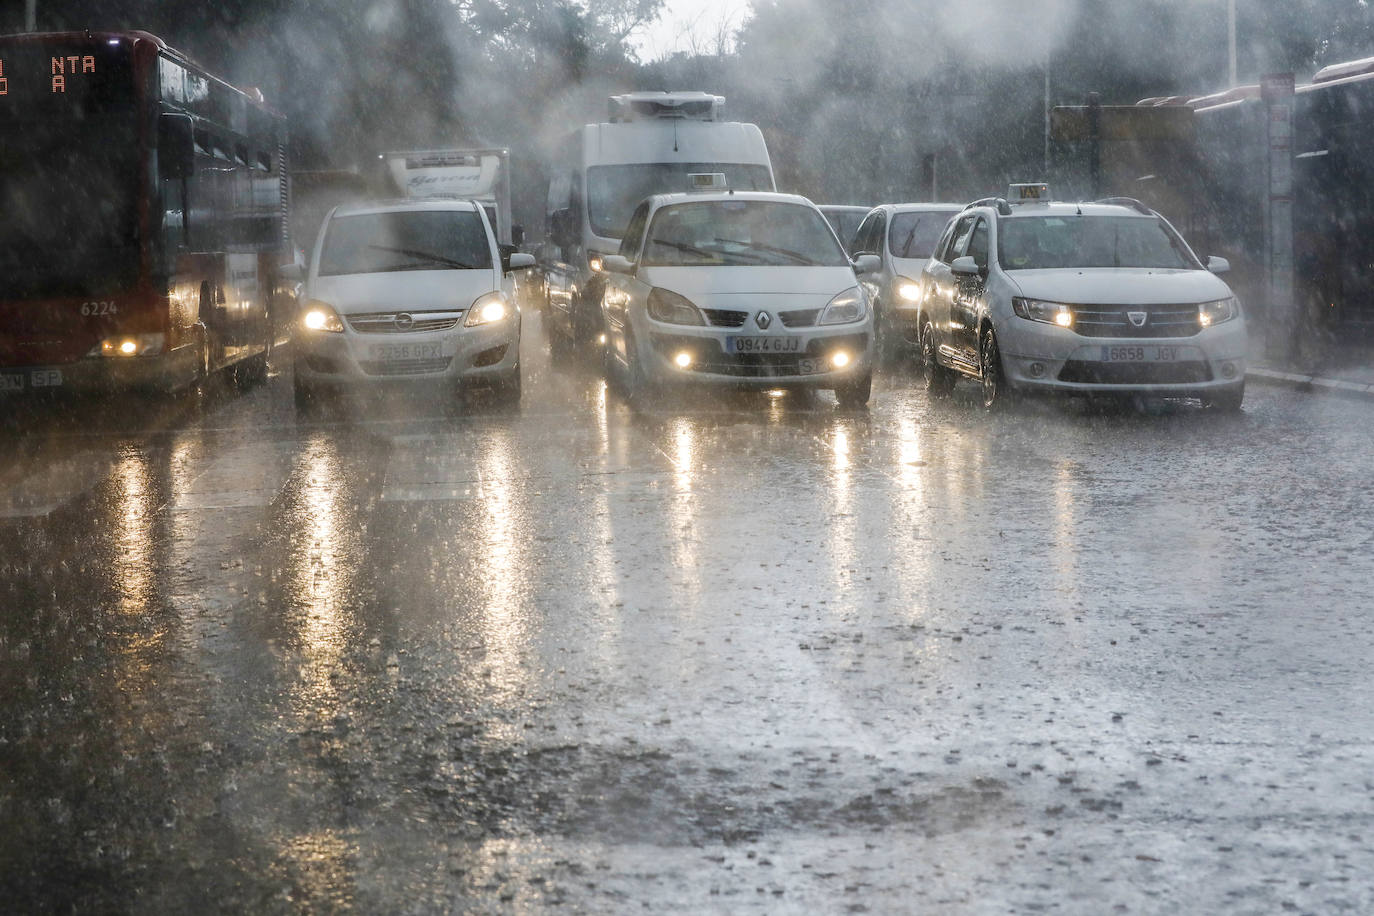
847	307
1210	313
488	309
1056	313
669	307
320	316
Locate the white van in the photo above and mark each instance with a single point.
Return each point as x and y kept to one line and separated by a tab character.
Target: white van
652	144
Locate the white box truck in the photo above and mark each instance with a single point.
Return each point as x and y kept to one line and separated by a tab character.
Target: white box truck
651	143
482	175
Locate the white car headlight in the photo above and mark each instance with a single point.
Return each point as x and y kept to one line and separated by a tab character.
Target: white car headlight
1210	313
1056	313
320	316
908	290
489	309
669	307
846	308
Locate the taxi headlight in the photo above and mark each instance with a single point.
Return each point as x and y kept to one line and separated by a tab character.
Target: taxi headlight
671	308
908	290
1210	313
320	316
1056	313
849	306
488	309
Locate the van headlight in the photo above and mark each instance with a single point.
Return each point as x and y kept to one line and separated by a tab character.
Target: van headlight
1210	313
488	309
669	307
320	316
849	306
1056	313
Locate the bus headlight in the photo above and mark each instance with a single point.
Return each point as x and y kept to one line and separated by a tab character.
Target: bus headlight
488	309
126	345
319	316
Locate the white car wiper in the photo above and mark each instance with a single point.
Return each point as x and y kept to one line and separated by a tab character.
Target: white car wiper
796	256
425	256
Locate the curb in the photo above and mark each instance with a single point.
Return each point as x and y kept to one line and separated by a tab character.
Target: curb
1317	383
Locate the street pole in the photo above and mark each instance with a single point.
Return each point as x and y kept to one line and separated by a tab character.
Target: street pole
1231	42
1046	166
31	15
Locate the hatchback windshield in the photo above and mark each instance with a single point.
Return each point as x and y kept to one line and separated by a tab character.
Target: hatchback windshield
405	240
913	235
741	233
1038	242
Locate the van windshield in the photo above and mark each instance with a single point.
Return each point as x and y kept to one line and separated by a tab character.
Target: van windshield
613	191
405	240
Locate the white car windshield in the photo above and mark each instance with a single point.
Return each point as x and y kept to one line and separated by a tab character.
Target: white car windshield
738	233
1059	241
405	240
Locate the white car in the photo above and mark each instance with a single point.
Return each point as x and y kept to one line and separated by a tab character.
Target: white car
903	237
1090	298
411	291
741	289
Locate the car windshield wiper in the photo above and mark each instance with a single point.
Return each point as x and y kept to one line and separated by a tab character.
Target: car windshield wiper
683	246
425	256
796	256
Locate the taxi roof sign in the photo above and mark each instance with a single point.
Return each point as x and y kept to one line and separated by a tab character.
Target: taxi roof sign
707	181
1028	192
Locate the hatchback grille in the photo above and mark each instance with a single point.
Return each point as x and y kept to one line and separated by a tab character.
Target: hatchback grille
385	322
1094	373
725	318
1113	321
407	367
799	318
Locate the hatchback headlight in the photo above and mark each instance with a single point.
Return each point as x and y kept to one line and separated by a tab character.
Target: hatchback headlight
671	308
849	306
488	309
1056	313
908	290
320	316
1210	313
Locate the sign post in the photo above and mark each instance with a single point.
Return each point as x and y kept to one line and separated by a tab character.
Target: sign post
1277	93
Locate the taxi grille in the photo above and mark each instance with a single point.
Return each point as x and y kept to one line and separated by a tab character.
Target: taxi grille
1112	321
385	322
407	367
1095	373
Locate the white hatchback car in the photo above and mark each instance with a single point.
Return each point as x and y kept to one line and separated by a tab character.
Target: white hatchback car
413	291
1091	298
742	289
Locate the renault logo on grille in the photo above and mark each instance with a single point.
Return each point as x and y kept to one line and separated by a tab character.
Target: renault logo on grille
763	320
1138	319
404	321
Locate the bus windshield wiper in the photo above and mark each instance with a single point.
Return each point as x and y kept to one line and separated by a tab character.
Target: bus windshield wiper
424	256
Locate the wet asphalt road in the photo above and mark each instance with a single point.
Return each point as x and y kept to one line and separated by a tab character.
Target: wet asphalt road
728	654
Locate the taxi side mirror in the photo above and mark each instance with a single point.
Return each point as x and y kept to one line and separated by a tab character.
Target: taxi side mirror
965	266
618	264
1218	265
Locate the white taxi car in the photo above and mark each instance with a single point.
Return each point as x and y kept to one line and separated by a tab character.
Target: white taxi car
414	291
1092	298
741	289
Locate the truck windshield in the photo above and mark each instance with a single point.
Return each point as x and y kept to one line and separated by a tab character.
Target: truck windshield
405	240
69	195
1041	242
614	190
740	233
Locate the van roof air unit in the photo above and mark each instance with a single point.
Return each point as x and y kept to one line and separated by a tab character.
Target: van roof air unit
648	106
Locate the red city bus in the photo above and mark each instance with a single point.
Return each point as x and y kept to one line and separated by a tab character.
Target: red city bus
143	218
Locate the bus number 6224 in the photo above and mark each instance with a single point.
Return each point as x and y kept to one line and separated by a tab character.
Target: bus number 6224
95	309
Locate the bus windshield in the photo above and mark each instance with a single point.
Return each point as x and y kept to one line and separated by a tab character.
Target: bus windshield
741	233
69	195
1041	242
613	191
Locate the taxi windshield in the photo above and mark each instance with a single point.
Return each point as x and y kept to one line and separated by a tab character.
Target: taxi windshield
1059	241
739	233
